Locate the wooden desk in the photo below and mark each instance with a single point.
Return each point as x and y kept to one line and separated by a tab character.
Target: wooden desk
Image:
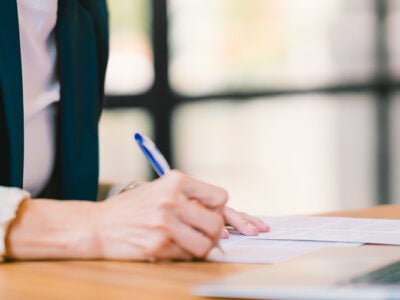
124	280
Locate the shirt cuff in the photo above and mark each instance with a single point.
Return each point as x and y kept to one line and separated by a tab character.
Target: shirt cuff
10	199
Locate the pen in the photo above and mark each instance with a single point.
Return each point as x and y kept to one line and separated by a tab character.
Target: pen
156	159
153	155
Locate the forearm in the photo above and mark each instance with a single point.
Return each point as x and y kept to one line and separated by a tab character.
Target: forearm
174	217
48	229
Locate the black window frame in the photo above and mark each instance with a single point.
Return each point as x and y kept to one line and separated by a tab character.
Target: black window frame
161	101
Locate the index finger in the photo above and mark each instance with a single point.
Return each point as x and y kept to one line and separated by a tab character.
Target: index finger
209	195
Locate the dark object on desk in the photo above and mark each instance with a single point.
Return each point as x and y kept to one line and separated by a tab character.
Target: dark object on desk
366	272
389	274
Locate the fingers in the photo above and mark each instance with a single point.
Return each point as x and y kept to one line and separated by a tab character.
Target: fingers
191	240
179	238
200	218
164	248
244	223
238	222
208	195
180	217
225	233
168	238
193	228
175	253
262	227
149	245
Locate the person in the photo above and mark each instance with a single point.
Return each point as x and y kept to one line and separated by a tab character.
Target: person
53	57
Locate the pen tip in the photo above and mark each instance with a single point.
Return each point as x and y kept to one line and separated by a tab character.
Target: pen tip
138	137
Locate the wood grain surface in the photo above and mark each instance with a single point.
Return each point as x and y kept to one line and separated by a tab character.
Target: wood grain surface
126	280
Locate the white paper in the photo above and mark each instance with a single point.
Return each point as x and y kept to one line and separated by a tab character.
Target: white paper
333	229
244	249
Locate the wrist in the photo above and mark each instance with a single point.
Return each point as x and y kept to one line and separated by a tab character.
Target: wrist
94	241
48	229
102	224
84	241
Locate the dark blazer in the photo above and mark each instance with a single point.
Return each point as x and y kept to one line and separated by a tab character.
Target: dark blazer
82	42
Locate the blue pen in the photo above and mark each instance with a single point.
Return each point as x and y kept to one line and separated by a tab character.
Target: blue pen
156	159
153	155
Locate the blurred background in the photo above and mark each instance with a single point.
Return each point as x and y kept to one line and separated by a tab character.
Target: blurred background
292	106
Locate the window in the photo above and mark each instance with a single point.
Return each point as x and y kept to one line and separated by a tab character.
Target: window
395	146
283	154
130	47
284	104
231	45
130	71
120	159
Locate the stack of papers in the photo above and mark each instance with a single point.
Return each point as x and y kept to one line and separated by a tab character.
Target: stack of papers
374	231
296	235
242	249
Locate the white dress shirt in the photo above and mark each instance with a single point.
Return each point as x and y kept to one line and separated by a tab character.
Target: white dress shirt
41	88
37	19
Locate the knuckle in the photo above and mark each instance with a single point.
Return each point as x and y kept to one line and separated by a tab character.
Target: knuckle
177	178
169	201
224	196
243	215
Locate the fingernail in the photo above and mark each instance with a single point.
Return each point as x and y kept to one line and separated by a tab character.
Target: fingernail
265	227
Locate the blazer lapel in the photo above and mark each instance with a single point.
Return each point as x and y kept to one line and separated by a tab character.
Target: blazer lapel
78	69
11	98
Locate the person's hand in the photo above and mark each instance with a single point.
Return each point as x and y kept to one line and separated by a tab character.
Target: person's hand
174	217
243	223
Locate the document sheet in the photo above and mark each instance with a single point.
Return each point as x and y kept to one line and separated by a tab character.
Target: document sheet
333	229
244	249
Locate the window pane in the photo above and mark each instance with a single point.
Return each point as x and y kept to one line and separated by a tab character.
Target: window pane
395	147
228	45
130	68
300	154
393	26
120	157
